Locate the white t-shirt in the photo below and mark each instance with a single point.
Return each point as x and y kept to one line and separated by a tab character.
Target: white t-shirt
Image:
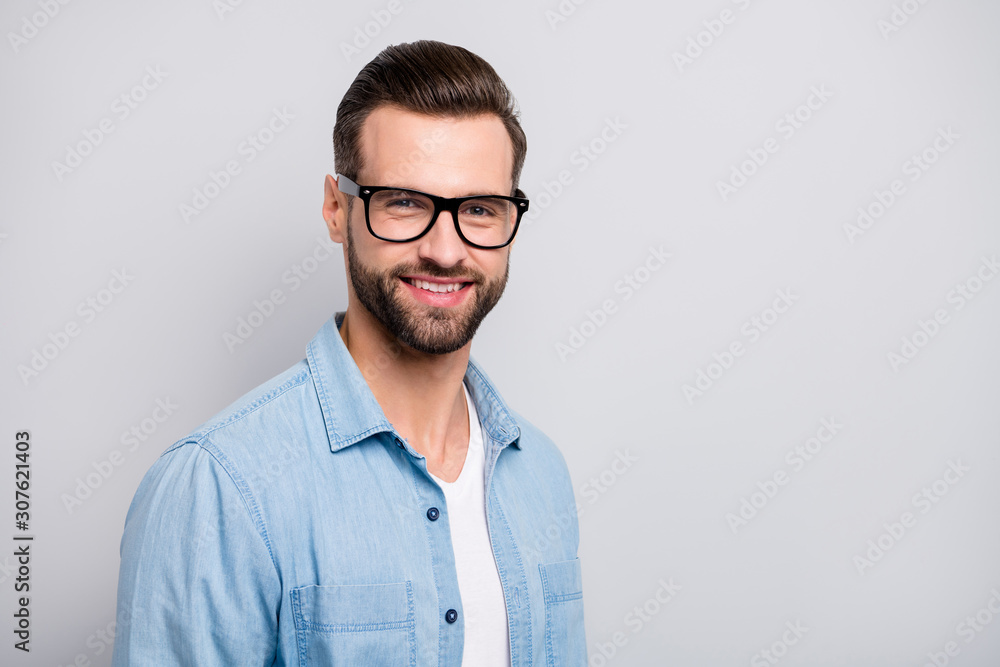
483	606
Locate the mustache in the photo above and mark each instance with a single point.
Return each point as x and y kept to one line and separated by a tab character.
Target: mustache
437	271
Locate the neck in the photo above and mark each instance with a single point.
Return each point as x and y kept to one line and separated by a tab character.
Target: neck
421	394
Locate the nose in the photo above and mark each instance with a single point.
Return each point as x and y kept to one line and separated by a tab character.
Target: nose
442	244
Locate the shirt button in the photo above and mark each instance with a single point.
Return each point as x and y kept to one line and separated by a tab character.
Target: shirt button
400	444
433	514
451	616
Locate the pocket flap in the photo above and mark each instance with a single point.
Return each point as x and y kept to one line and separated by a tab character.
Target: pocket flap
354	607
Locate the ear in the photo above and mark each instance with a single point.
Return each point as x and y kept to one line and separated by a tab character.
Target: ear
335	210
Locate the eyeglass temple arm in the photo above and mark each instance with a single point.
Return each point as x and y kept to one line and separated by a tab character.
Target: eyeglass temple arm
347	186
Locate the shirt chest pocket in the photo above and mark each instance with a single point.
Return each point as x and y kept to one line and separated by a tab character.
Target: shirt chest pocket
565	638
363	624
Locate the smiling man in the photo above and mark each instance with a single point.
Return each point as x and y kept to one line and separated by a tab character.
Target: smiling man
378	503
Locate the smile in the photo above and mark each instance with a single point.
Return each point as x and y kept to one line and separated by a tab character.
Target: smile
440	288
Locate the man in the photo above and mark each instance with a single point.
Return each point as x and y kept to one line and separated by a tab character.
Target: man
378	503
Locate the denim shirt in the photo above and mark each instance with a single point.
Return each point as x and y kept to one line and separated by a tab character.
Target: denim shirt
298	527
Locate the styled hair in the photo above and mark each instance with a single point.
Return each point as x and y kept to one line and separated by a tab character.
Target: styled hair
425	77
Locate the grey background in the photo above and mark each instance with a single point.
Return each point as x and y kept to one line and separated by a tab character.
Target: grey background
662	517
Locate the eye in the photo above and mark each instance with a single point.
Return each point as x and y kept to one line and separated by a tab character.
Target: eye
479	209
402	201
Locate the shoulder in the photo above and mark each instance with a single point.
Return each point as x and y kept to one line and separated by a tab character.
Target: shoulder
270	426
544	485
223	457
262	402
532	433
539	446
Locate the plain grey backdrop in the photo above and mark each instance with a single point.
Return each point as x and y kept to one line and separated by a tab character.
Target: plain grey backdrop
755	303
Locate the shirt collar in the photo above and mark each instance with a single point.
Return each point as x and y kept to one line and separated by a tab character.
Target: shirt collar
351	412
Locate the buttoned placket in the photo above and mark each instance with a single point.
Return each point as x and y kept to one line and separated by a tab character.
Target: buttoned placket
512	598
451	635
509	561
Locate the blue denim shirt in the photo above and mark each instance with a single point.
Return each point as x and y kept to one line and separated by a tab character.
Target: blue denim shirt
293	528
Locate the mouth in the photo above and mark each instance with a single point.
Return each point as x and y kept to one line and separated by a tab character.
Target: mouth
442	294
436	288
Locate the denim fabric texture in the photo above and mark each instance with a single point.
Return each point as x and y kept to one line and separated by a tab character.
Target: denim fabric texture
293	528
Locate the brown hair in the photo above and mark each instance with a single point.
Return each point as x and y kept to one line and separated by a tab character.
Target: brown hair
425	77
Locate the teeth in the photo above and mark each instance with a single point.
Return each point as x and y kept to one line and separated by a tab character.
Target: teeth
435	287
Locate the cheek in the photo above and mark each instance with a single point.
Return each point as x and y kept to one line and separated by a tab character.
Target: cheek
385	258
495	265
365	247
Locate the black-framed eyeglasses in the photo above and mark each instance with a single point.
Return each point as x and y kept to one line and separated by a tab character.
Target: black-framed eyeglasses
399	215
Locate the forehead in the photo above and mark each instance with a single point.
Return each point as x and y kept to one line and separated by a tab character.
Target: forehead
437	154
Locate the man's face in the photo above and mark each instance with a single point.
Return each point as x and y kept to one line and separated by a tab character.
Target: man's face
447	157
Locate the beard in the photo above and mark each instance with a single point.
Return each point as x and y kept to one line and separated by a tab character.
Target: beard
424	328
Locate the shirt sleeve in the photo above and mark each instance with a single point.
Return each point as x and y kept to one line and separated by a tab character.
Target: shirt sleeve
197	584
